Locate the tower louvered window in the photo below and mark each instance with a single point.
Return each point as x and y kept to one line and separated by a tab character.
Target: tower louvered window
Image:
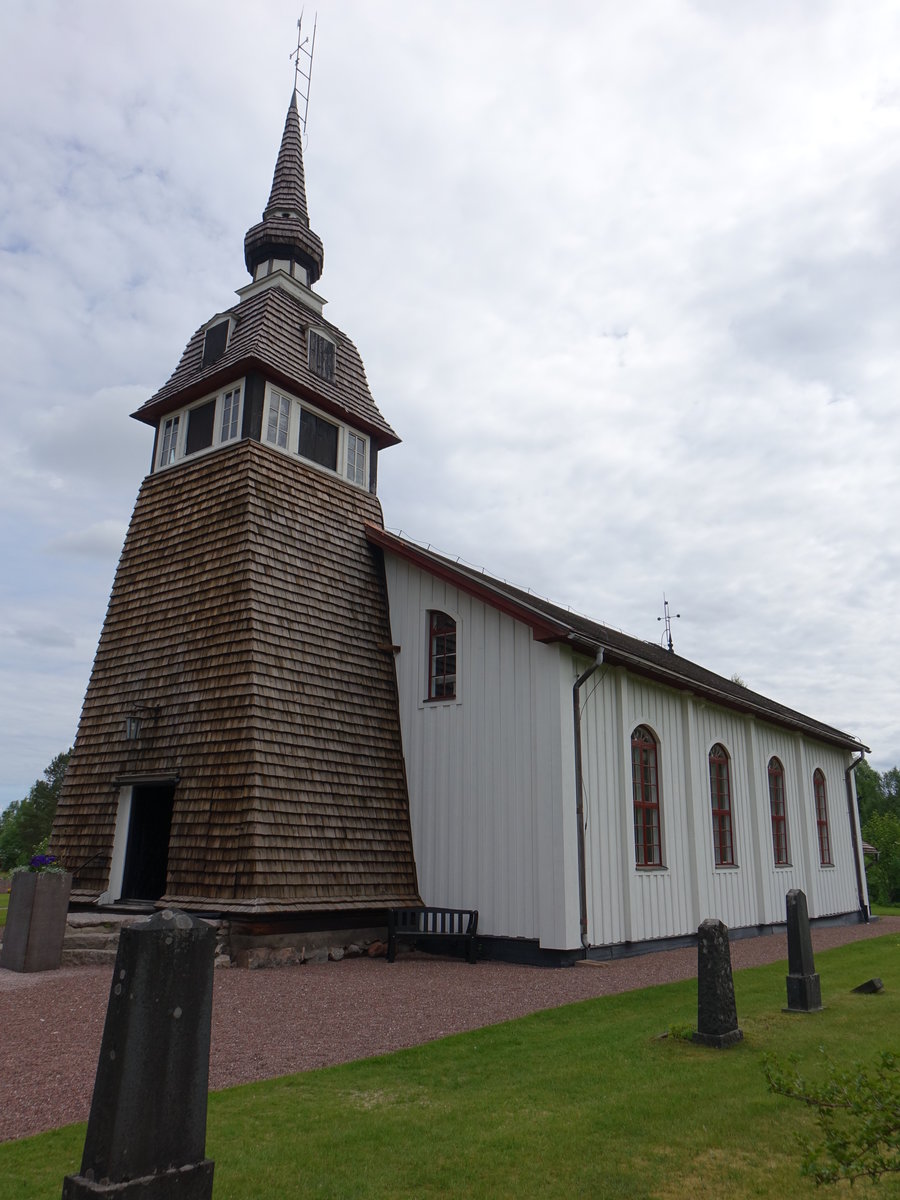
321	356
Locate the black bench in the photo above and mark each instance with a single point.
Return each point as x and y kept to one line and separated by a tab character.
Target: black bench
432	925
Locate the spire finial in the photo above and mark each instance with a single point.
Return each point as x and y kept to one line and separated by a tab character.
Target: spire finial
307	48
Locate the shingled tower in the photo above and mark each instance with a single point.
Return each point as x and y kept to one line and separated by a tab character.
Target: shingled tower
239	747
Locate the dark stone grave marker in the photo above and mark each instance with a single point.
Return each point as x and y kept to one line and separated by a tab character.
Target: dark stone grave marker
804	992
716	1010
146	1134
870	987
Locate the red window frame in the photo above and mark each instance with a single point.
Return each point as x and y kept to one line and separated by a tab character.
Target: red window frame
720	796
779	813
645	795
821	795
441	656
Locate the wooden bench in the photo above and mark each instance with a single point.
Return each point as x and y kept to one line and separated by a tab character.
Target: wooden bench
432	925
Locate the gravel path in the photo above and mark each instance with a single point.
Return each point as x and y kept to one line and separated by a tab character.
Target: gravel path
288	1019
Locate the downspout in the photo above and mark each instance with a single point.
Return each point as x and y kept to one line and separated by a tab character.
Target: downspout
860	890
579	794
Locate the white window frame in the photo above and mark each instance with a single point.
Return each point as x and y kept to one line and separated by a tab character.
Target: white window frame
358	447
182	416
345	433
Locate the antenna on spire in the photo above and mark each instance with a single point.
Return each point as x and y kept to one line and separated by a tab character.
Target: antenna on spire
307	48
668	620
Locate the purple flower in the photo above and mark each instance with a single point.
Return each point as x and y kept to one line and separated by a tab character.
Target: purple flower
39	861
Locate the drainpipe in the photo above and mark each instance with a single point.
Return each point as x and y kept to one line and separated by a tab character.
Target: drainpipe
863	908
579	794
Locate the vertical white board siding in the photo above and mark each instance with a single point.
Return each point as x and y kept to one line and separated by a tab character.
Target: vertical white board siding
484	771
732	893
834	887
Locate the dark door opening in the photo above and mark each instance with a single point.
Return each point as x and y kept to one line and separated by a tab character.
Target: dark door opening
147	851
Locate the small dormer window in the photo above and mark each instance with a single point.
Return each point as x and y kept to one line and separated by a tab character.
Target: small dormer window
214	343
321	356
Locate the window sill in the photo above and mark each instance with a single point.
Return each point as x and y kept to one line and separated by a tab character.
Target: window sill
728	866
651	867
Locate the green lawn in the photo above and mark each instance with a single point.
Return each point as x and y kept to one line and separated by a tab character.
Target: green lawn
583	1101
4	905
886	910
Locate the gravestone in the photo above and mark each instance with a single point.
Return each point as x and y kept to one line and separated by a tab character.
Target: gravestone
716	1010
146	1134
36	921
804	992
870	988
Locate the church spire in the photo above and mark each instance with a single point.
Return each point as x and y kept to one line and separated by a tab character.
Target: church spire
284	233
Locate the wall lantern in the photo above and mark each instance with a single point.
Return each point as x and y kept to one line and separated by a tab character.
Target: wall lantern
135	720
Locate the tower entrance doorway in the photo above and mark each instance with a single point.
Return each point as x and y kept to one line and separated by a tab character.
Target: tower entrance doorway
147	851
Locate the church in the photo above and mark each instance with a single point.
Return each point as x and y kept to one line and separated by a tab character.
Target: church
297	720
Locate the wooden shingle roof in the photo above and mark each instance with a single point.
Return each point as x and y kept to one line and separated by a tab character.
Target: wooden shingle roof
551	623
270	334
249	609
285	224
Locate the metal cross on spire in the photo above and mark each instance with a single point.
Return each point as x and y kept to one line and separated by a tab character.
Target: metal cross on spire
667	617
306	47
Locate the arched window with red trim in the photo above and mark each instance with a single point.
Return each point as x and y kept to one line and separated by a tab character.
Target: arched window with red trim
645	792
778	812
720	795
822	817
441	656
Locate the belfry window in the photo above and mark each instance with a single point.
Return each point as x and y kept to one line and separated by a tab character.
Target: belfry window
318	440
356	459
231	410
321	356
720	794
441	656
645	795
200	425
778	813
279	416
169	446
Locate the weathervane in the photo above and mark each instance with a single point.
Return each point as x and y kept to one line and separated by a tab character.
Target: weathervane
668	620
307	48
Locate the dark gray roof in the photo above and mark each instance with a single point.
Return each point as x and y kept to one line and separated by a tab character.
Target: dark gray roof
551	623
270	333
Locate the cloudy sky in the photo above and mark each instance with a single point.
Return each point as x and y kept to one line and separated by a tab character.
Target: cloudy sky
625	278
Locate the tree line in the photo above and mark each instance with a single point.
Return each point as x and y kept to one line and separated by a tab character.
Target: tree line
25	824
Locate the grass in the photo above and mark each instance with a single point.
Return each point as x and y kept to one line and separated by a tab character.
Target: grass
886	910
4	905
582	1101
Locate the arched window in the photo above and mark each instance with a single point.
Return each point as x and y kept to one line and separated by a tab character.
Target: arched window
779	813
441	656
645	790
720	794
822	817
